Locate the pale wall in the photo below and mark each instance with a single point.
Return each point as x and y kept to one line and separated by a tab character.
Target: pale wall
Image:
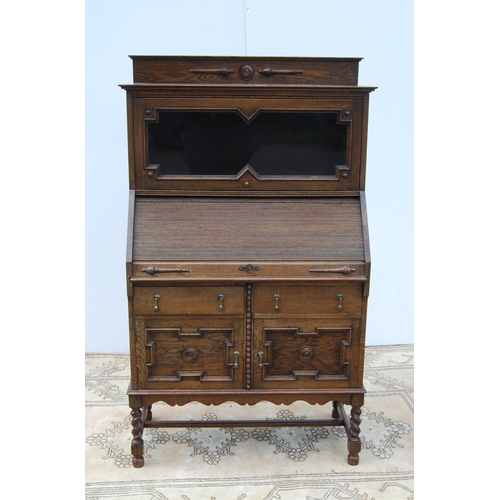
380	31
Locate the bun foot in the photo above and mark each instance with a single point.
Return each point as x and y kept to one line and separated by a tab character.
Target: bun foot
353	459
137	462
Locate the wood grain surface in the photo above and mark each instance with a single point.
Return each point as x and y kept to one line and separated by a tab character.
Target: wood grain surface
238	229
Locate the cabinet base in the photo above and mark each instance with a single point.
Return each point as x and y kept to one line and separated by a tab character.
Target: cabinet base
142	417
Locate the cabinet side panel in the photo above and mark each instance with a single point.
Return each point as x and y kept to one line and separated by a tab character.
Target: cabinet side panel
364	140
133	344
130	137
366	242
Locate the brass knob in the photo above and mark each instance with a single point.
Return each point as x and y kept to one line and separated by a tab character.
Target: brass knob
221	299
236	356
246	184
156	298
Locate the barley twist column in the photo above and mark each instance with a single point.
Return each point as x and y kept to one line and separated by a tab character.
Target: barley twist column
137	447
353	440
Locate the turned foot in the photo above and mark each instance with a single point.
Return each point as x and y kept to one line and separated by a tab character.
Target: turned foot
353	440
137	447
149	414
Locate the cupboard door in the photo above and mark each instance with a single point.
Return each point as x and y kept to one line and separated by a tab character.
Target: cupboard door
197	354
307	353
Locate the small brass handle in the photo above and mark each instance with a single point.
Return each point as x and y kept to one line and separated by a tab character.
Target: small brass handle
156	298
236	356
261	359
340	307
221	299
277	298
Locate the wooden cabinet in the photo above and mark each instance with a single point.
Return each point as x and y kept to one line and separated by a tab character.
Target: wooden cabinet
189	337
248	261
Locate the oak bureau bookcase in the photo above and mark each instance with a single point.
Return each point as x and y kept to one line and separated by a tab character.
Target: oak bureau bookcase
248	261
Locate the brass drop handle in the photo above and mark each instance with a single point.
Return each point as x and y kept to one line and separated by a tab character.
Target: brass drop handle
277	298
340	307
236	356
221	300
261	359
156	298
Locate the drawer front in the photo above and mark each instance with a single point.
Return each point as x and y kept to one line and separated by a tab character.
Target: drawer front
297	353
189	300
201	353
281	300
244	271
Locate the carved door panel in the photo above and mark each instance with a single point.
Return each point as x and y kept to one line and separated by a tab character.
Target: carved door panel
304	353
203	353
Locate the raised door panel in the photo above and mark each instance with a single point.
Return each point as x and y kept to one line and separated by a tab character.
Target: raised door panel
309	353
177	353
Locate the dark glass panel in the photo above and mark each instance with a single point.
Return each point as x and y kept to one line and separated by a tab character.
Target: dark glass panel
212	143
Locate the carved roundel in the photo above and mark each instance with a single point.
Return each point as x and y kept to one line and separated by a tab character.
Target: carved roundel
246	72
306	353
189	353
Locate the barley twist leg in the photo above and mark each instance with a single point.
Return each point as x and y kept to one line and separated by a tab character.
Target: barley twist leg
137	447
353	440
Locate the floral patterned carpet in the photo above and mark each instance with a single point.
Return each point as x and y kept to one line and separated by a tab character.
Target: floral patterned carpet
274	463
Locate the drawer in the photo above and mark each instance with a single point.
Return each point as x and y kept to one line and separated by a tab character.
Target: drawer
182	300
287	300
